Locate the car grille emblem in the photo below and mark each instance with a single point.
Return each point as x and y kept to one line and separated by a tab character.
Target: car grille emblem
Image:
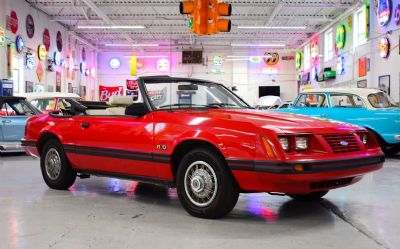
344	143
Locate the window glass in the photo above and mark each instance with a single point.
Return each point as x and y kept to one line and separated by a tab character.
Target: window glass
312	100
346	101
328	45
360	28
307	57
44	104
17	107
381	100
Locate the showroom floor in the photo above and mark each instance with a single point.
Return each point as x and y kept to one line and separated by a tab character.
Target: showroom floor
110	213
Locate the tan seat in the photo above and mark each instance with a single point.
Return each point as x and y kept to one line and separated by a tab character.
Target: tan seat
97	112
118	105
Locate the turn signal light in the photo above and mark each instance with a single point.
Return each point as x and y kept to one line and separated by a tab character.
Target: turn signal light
267	147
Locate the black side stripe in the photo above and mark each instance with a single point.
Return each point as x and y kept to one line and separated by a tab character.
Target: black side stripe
118	154
28	143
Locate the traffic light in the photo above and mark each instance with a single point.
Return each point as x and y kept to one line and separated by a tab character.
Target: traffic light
215	11
205	16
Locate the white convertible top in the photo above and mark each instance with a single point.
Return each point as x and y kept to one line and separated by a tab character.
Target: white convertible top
48	95
364	92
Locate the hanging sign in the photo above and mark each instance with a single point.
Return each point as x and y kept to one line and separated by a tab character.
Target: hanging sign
340	36
30	26
271	58
105	92
2	37
384	11
57	58
46	39
42	52
314	51
39	71
298	60
133	64
384	47
59	41
19	44
29	61
13	22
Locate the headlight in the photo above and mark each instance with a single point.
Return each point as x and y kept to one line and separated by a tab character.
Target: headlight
284	141
301	143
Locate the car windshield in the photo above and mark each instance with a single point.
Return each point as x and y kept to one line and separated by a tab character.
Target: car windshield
381	100
179	95
44	104
17	107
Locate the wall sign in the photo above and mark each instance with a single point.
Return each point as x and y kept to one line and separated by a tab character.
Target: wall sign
340	36
163	65
83	54
255	59
19	44
30	26
82	67
384	11
39	71
46	39
314	51
50	65
42	52
362	67
133	65
271	58
114	63
105	92
384	47
340	65
397	15
93	72
57	58
59	41
298	60
58	81
2	37
13	22
29	61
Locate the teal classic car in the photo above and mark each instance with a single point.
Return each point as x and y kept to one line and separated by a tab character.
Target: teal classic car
369	108
14	111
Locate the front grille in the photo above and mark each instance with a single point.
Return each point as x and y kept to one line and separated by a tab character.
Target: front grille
331	183
342	143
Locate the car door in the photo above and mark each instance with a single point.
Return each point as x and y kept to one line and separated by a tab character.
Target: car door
311	104
116	144
13	122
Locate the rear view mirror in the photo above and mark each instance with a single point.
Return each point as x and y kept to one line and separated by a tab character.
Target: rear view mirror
188	87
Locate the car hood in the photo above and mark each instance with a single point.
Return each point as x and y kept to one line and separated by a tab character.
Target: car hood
284	122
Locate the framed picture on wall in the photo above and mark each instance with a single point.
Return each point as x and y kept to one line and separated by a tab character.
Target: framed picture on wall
29	86
50	88
362	84
384	83
69	87
75	90
58	81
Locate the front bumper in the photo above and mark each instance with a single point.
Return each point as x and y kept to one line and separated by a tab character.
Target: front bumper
267	176
10	147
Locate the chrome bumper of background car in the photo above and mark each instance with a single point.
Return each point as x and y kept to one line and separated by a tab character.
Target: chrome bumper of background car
9	147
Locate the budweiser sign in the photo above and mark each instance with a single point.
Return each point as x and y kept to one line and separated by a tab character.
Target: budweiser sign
105	92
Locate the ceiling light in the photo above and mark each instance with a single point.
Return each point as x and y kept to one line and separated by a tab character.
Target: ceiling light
110	27
238	56
272	27
131	45
146	56
257	45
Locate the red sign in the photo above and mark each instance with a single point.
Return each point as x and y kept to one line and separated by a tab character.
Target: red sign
83	54
59	41
30	26
58	81
132	85
105	92
46	39
362	67
13	22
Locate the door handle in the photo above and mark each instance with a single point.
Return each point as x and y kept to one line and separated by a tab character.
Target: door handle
6	121
85	125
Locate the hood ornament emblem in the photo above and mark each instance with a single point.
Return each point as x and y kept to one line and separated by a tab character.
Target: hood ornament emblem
344	143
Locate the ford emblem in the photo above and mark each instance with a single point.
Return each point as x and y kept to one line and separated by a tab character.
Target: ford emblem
344	143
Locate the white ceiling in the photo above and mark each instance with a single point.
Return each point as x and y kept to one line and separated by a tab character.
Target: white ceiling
165	25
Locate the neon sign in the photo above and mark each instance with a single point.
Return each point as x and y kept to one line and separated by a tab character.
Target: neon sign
271	58
298	60
57	58
29	61
340	65
384	47
397	15
163	65
19	44
255	59
314	51
384	11
340	36
42	52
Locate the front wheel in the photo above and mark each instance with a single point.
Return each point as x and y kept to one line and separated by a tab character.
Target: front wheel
314	196
56	170
205	187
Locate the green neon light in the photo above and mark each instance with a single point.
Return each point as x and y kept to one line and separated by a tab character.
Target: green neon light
298	60
340	36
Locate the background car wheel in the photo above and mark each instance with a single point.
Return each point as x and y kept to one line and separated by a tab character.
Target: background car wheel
56	170
206	188
314	196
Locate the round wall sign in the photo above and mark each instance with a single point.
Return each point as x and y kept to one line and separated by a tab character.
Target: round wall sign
30	26
19	44
13	22
2	37
114	63
298	60
384	11
397	15
57	58
46	39
42	52
83	54
82	67
314	51
340	36
59	41
29	61
163	65
271	58
384	47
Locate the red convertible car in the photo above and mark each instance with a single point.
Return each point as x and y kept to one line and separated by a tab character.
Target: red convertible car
202	138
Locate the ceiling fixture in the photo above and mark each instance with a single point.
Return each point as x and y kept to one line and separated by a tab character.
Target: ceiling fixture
272	27
146	56
110	27
257	45
131	45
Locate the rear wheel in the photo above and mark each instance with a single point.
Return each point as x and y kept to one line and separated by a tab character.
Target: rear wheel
314	196
56	170
205	187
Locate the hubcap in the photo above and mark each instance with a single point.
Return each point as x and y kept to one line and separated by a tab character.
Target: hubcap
53	164
200	183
